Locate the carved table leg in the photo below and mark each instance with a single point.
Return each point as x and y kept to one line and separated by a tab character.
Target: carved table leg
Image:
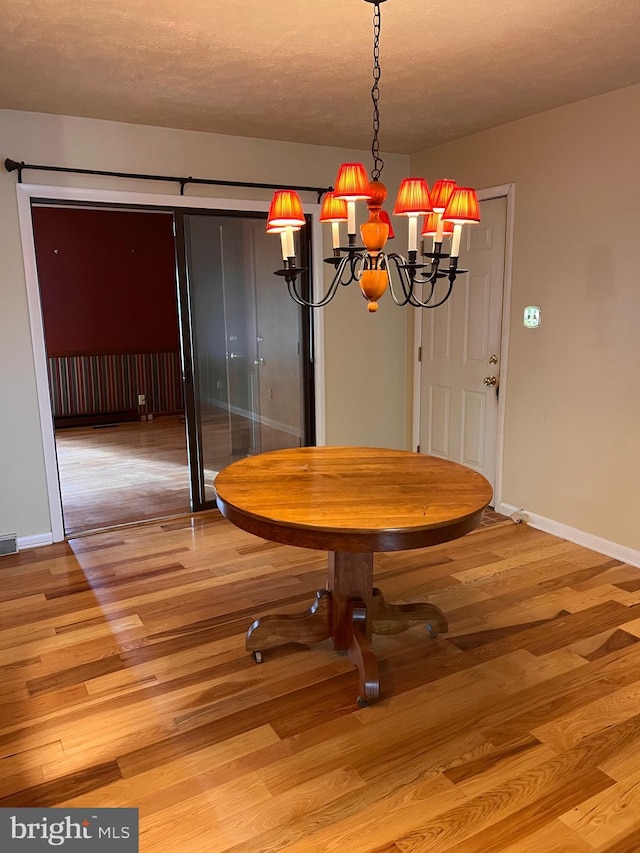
350	579
361	654
350	583
309	627
394	618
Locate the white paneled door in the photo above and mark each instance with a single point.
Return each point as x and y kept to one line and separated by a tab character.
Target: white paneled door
461	352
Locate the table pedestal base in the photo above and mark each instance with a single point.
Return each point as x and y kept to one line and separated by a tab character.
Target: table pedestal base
349	611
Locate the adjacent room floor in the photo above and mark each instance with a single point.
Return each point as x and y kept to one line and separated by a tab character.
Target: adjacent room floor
121	473
135	471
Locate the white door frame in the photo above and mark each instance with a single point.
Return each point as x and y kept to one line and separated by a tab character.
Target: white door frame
25	193
507	191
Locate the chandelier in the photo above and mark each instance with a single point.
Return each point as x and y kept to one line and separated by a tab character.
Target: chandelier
412	279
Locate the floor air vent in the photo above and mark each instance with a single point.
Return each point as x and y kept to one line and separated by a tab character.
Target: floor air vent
8	544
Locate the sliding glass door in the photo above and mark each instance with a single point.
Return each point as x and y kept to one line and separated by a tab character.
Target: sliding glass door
246	346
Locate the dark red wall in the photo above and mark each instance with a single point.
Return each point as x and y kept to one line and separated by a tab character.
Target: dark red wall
107	281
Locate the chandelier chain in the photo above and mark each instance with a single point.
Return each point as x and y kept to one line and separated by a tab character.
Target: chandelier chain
378	163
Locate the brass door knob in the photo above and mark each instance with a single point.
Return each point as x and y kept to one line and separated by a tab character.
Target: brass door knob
490	381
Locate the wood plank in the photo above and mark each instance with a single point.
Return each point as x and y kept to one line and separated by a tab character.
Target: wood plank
607	814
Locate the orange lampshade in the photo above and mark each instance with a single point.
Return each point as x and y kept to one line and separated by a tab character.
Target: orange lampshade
333	209
352	183
441	193
430	226
413	198
462	206
384	217
286	210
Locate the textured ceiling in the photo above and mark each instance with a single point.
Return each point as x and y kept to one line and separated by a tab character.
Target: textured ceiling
301	69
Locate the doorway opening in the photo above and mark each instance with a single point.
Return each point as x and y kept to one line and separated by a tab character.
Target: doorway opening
169	354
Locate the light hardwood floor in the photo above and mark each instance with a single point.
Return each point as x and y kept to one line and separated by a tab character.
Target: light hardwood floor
122	473
129	472
125	683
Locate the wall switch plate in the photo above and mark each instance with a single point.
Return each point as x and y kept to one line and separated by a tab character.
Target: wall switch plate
142	399
532	317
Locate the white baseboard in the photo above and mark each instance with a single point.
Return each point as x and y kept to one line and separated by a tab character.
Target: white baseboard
260	419
572	534
26	542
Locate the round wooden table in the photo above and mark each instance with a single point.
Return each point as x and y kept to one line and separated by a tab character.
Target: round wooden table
351	502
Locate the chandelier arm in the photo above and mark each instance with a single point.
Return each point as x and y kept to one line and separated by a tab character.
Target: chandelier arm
407	291
354	260
427	304
293	293
331	290
408	283
346	261
341	264
433	276
431	279
361	260
424	303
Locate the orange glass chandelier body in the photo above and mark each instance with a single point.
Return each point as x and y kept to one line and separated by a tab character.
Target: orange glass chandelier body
411	280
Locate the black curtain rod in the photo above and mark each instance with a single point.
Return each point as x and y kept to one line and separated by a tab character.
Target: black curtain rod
14	166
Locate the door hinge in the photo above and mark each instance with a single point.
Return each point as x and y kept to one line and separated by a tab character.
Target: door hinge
419	353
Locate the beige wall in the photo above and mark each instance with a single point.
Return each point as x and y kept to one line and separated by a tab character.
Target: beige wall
572	449
365	365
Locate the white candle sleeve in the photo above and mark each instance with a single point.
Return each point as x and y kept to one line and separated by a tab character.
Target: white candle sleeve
291	252
413	233
283	244
455	242
335	234
440	229
351	217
